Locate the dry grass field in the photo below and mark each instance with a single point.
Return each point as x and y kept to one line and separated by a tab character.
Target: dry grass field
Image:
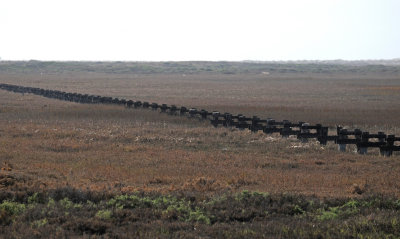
48	145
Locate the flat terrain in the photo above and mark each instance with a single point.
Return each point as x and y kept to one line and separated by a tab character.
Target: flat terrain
354	96
48	145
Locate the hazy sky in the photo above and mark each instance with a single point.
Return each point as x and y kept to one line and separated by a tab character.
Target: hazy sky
158	30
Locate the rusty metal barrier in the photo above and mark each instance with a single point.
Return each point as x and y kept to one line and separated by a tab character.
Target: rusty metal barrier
302	130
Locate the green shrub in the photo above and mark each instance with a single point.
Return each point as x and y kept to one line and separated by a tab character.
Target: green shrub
199	216
39	223
104	214
329	215
13	208
8	211
66	203
297	210
51	203
33	199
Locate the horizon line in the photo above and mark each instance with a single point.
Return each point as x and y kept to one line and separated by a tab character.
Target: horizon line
246	60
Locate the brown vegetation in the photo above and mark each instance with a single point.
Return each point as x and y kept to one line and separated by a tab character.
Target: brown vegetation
47	144
99	147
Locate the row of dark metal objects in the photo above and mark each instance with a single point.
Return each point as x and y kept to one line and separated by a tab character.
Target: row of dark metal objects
303	131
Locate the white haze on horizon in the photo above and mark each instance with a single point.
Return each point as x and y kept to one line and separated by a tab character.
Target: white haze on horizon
179	30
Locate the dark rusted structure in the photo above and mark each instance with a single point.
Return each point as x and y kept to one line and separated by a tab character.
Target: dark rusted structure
387	144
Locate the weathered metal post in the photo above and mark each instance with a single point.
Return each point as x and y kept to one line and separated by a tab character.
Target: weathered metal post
183	110
154	106
146	104
387	150
284	131
304	130
192	112
254	124
341	135
323	135
137	104
269	126
228	120
203	114
163	108
215	118
173	109
382	139
382	136
363	138
285	124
